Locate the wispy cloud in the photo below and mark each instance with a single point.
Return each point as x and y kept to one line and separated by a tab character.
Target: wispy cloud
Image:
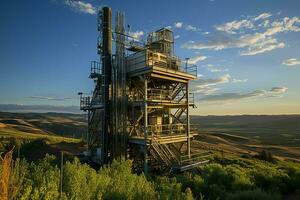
208	86
239	80
213	68
39	108
231	35
176	37
50	98
262	16
196	59
80	6
213	81
136	34
231	27
291	62
187	27
233	97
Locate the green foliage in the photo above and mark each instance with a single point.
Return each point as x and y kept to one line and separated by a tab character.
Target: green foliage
17	176
240	178
270	178
42	181
169	188
256	194
79	181
266	155
123	184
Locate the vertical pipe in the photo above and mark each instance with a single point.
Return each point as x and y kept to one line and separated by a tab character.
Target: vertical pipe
145	125
106	60
188	120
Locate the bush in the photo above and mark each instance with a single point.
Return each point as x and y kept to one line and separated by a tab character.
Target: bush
252	195
266	156
169	188
42	181
80	181
270	179
123	184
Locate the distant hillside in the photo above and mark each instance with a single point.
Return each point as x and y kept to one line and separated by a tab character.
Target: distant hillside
279	134
60	124
269	129
14	108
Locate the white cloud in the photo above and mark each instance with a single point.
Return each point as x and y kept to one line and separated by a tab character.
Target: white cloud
176	37
136	34
187	27
205	90
231	27
190	28
212	68
291	62
50	98
212	81
239	80
265	45
196	59
254	43
262	16
178	24
207	86
81	6
279	90
233	97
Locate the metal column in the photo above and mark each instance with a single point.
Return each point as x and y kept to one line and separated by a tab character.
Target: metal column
107	68
145	125
188	120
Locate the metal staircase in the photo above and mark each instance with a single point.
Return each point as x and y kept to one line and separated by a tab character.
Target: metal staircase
169	157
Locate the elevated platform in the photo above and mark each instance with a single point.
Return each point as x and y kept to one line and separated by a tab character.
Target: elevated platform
161	66
164	73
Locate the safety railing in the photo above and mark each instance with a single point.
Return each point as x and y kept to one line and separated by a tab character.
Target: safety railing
89	102
85	102
96	70
148	58
159	94
195	157
166	129
166	95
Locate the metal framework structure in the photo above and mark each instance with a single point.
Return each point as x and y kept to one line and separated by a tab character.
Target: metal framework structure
140	106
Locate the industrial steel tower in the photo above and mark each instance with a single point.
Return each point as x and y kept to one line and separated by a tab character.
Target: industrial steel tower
140	107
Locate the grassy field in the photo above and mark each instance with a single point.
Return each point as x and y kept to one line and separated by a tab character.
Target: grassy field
278	134
51	132
51	126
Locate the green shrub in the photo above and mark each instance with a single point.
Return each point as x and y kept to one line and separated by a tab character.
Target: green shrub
270	179
252	195
168	188
79	181
124	184
42	181
266	155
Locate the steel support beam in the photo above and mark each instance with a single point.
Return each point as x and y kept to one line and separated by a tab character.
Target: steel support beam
188	120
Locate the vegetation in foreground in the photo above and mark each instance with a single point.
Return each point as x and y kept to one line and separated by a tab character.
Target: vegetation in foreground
224	178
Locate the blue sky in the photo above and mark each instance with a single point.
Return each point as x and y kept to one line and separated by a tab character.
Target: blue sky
247	52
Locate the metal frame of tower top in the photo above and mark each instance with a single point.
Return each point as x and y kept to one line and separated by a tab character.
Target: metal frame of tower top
141	102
